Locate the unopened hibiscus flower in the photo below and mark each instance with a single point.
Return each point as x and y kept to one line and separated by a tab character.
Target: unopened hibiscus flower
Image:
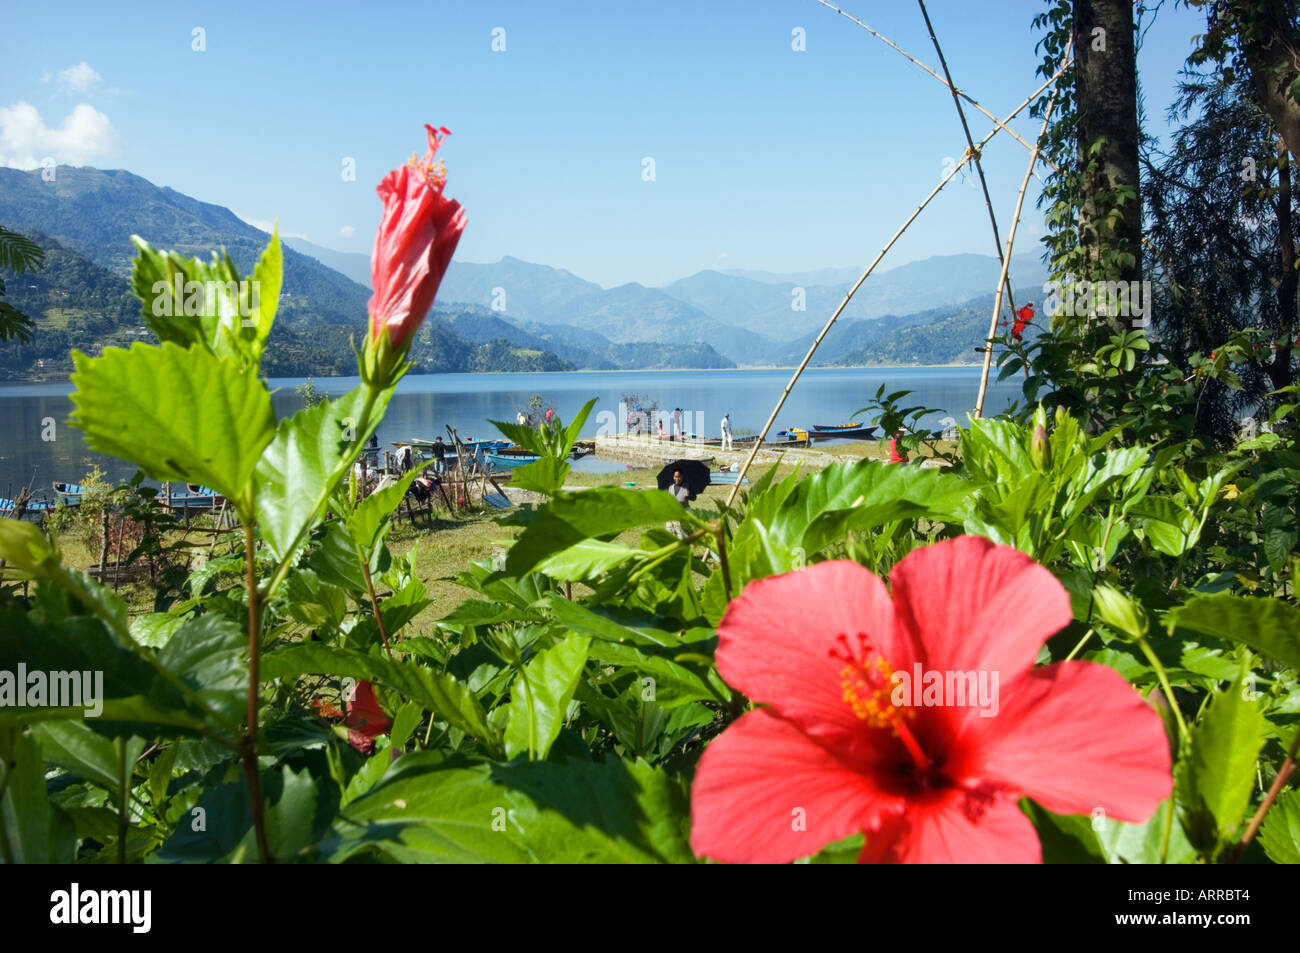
918	719
413	247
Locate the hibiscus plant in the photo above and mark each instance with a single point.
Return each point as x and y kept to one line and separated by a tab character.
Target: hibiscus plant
1071	645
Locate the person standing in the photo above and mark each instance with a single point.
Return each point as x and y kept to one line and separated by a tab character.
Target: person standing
439	456
726	431
894	455
523	421
677	423
682	494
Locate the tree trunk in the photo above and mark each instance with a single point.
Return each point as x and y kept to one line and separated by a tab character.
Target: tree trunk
1270	44
1279	371
1105	85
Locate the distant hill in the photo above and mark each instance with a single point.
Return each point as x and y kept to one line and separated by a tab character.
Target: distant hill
660	325
79	304
352	265
95	212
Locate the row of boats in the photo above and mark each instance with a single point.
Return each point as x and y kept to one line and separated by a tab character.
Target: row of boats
191	497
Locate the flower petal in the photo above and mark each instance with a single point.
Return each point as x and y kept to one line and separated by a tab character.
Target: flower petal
977	606
1074	736
776	640
764	792
947	832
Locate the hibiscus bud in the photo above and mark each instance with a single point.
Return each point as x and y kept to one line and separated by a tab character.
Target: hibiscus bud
1038	449
417	236
1120	612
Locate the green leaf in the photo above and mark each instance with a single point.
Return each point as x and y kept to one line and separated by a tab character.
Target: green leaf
1218	774
182	415
155	628
219	828
434	810
25	548
1066	838
541	694
301	464
369	522
571	517
586	560
443	695
524	436
35	831
73	745
546	475
1280	833
1268	626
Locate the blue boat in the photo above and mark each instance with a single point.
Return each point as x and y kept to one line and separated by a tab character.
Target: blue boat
725	478
509	461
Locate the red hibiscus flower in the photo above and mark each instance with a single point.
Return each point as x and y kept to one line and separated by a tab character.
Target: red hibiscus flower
931	779
364	713
414	245
1023	317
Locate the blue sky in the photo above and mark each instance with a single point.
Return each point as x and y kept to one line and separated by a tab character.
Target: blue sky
764	157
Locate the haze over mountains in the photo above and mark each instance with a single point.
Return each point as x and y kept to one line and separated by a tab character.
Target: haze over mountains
534	315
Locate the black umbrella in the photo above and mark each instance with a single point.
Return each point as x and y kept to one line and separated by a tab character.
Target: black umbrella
695	475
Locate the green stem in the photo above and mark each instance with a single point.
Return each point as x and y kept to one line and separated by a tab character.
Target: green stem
1168	832
1082	642
344	464
254	657
1165	687
123	789
722	559
532	715
374	602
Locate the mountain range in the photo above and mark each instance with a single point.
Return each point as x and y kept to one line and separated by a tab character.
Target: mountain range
527	316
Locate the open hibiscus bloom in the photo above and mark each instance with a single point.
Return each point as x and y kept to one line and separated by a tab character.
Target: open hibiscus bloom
414	245
861	735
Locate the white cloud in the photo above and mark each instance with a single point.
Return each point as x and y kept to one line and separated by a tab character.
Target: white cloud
25	140
347	231
268	226
80	77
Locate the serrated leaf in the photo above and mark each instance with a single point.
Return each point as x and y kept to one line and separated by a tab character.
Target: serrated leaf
1280	833
1218	773
179	415
1268	626
434	810
540	695
296	472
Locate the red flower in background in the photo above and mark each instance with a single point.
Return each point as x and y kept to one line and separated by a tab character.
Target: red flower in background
364	713
416	238
1023	317
834	753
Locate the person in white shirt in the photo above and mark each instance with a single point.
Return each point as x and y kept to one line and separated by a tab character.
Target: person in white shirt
726	431
682	494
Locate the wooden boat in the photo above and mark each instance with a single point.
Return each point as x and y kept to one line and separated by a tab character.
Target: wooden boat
859	433
69	493
35	512
853	426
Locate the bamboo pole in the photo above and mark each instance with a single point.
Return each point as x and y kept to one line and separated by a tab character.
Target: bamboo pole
956	92
1002	281
870	268
970	144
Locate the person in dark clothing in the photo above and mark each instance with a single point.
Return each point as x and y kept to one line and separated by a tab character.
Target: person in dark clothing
439	456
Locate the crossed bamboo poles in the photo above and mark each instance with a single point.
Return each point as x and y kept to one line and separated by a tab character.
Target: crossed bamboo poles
972	154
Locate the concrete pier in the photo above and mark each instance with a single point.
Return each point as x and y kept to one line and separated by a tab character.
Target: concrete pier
649	451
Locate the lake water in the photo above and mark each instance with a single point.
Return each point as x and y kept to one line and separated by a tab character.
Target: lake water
425	403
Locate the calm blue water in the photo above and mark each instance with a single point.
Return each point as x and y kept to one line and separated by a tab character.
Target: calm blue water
423	404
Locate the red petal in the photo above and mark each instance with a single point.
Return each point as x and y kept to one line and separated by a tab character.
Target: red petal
1074	736
976	606
775	642
761	780
950	832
